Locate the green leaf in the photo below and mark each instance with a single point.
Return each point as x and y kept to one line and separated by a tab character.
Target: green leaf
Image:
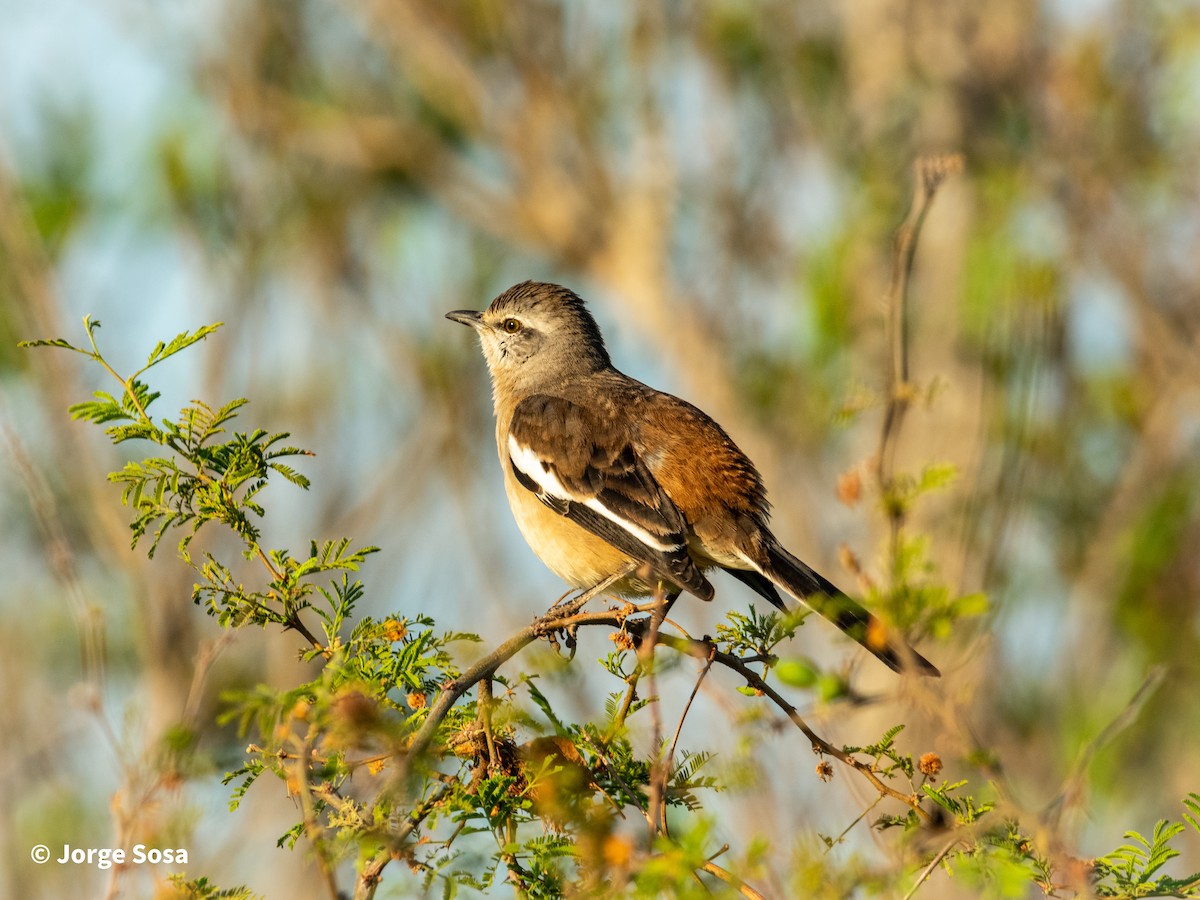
544	705
936	476
797	672
291	475
181	341
968	605
104	408
1192	817
53	342
831	687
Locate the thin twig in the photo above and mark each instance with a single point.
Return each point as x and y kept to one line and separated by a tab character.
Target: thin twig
687	706
845	831
701	650
485	721
61	558
933	864
295	623
729	878
206	656
312	827
630	696
1073	785
660	768
929	172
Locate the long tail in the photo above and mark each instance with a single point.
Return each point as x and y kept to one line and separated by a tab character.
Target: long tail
824	597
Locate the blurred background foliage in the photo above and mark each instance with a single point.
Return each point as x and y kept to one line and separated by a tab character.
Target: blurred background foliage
722	180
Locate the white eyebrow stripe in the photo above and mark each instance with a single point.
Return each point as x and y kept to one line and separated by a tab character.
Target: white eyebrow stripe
530	464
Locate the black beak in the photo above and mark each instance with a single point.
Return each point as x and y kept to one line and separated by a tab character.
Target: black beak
466	317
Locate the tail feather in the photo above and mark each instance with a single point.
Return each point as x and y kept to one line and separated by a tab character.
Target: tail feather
760	584
823	596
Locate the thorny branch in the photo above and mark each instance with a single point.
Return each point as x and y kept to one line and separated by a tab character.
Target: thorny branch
642	621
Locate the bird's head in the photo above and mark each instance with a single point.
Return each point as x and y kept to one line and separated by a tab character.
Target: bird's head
536	335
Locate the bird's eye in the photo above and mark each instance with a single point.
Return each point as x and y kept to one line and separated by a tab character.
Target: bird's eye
512	326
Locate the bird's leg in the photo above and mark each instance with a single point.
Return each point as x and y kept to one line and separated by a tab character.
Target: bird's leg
569	609
663	600
565	595
667	602
560	610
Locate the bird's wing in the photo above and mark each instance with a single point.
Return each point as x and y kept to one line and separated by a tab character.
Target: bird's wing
582	464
